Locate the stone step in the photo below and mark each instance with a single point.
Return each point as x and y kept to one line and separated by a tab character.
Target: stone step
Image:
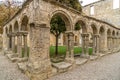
93	57
80	61
12	57
62	66
101	55
22	66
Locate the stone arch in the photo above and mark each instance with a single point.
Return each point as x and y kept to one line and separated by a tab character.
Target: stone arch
102	30
65	17
117	33
94	28
16	26
113	33
6	30
24	23
83	25
109	32
10	29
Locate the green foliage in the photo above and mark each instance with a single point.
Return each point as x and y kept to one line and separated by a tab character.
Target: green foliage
77	26
62	50
72	3
57	25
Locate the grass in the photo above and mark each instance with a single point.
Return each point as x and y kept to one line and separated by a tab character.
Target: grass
62	50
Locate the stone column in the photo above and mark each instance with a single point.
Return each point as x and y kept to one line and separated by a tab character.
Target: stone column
85	45
70	47
97	43
39	65
19	44
8	42
13	42
94	44
25	44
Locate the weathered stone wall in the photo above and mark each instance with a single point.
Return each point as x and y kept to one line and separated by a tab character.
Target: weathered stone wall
104	11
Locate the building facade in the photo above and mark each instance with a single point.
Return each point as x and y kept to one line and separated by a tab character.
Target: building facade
105	10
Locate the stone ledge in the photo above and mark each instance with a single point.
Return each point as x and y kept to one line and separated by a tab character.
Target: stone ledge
22	66
12	57
81	61
62	66
93	57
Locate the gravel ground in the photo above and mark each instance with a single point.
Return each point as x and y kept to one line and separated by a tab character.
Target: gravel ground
9	70
105	68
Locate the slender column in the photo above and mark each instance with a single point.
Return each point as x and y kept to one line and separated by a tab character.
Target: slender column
94	44
19	44
25	45
97	43
70	46
83	44
87	44
13	42
8	42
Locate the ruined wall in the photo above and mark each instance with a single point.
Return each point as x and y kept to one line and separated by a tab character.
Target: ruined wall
103	10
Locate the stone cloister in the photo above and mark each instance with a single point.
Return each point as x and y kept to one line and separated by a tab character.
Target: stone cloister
30	27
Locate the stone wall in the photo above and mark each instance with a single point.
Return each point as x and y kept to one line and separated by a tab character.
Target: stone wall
103	10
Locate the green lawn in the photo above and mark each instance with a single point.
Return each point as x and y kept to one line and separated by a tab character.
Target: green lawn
62	50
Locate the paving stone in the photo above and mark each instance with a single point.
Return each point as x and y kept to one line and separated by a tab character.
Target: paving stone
80	61
92	57
106	68
9	70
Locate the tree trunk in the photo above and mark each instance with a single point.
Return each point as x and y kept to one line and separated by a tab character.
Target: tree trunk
56	49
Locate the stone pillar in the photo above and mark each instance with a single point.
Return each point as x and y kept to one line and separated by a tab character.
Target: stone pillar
13	42
95	44
98	43
19	44
85	44
25	44
8	42
70	47
39	65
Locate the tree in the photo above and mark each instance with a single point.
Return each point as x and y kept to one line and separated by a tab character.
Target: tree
57	27
77	26
72	3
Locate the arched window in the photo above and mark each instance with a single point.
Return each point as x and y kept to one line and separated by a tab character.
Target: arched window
116	4
92	10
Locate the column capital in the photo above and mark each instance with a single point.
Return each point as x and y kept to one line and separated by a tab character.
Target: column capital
84	34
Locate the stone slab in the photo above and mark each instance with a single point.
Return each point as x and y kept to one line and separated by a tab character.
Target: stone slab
93	57
80	61
62	66
101	55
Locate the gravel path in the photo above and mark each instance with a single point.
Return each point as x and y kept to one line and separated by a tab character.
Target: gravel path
9	70
106	68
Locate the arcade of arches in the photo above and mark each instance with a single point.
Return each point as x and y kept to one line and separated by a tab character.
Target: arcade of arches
29	29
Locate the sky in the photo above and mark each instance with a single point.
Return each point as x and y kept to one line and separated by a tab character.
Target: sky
85	2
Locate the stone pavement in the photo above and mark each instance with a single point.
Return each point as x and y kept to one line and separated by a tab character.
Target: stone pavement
105	68
9	70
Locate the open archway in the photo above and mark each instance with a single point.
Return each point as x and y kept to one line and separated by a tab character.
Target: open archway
24	30
109	39
59	24
102	38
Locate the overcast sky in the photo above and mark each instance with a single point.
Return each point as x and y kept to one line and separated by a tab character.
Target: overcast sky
85	2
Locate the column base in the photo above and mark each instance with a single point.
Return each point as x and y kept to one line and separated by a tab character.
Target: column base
39	70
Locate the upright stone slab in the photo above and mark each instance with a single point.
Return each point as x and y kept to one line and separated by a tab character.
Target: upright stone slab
39	66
